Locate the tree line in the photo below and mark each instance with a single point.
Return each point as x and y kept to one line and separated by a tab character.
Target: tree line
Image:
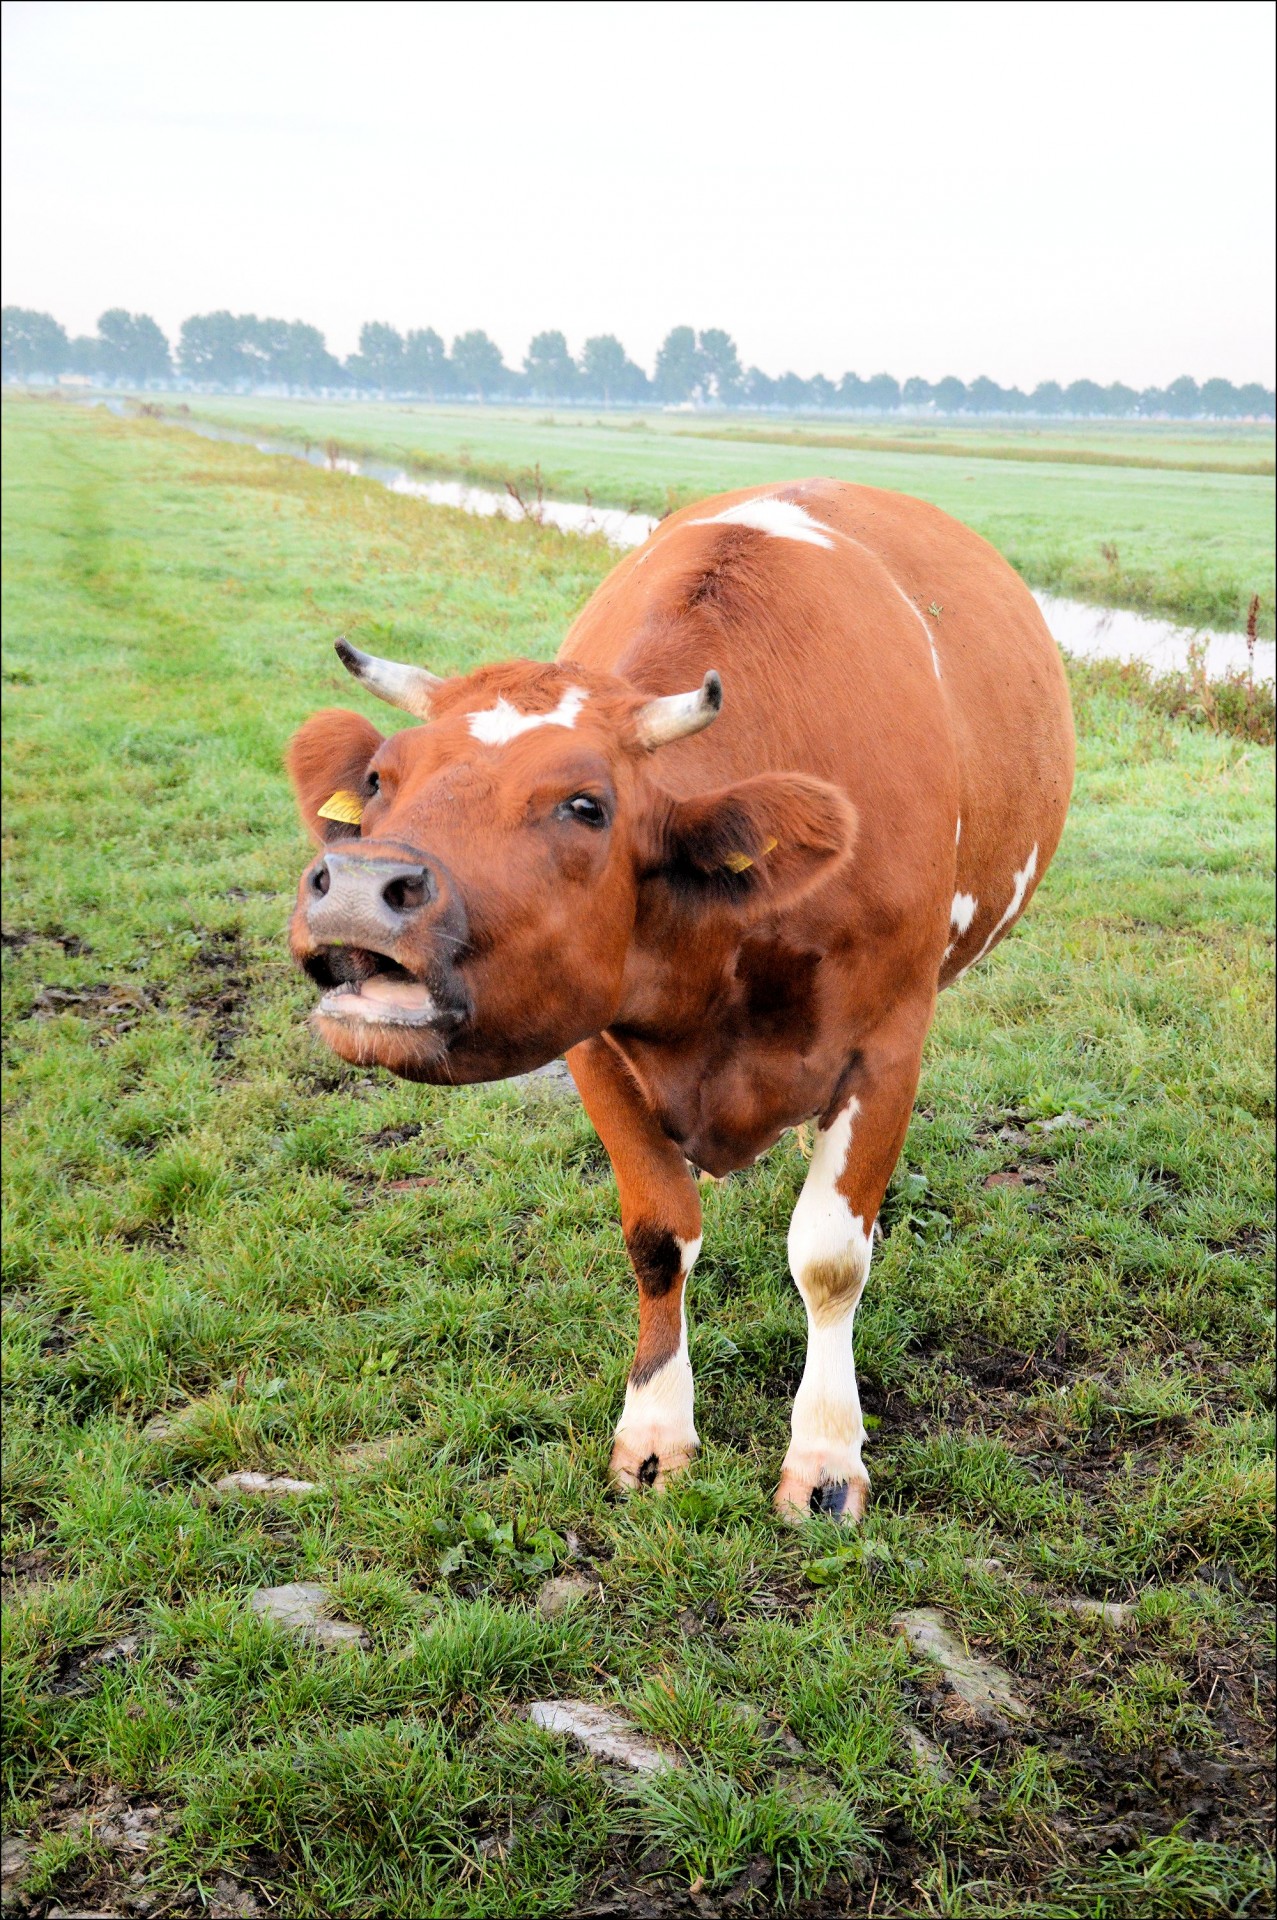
229	352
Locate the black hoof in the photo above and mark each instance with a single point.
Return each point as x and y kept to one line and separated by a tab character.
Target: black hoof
648	1471
830	1500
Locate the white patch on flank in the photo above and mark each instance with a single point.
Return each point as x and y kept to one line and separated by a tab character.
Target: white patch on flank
1018	891
496	725
961	914
784	519
827	1431
658	1415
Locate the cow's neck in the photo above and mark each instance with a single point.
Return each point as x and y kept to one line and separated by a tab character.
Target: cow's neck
727	1041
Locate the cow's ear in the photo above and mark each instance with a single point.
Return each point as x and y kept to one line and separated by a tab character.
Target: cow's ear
328	762
756	846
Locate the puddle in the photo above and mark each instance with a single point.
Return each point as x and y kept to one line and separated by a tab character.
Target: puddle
1111	633
1088	632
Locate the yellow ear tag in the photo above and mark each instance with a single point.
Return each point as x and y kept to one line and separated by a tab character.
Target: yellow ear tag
737	862
343	806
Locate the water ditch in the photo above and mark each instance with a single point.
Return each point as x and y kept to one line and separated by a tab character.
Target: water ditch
1085	631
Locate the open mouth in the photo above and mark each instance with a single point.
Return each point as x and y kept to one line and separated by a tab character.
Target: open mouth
367	988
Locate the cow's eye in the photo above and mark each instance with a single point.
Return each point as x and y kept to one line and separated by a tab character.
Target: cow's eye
374	783
585	808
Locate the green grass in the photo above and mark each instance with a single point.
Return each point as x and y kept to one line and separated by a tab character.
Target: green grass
206	1219
1177	523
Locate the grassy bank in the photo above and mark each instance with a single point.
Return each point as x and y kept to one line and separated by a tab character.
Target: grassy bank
224	1251
1086	515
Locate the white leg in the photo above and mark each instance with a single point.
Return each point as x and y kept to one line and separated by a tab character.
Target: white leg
656	1434
829	1253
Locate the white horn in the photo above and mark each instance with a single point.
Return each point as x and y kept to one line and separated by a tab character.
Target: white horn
406	687
676	715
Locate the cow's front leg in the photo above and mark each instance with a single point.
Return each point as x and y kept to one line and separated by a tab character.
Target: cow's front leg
830	1244
661	1219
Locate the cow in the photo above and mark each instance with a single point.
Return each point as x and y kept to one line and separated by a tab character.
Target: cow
800	762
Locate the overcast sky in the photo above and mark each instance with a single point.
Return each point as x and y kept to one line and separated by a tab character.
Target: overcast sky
1028	191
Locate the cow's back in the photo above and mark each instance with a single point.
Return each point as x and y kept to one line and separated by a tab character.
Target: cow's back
873	640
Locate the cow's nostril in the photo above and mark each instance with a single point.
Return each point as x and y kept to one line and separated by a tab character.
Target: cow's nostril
407	891
321	879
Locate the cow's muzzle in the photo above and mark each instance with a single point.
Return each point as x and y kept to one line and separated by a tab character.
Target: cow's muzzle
382	935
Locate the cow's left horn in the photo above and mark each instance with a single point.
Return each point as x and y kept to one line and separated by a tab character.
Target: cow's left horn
675	715
406	687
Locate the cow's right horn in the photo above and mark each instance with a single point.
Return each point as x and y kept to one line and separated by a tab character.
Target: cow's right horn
676	715
406	687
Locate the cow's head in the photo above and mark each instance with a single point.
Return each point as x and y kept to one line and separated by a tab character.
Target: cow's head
503	880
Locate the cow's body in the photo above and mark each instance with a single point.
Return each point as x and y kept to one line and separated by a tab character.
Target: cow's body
907	664
872	644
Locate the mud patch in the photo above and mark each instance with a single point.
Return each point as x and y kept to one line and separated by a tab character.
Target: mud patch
116	1006
117	1831
393	1136
221	995
14	939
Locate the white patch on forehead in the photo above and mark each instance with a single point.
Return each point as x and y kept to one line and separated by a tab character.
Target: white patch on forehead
957	831
1019	888
496	725
783	519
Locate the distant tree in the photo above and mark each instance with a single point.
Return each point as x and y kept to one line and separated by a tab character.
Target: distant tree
1256	402
379	361
883	392
984	395
477	366
720	366
792	392
916	392
608	373
853	392
679	369
1183	398
132	347
758	389
550	369
302	358
31	342
821	392
1119	400
1083	397
425	363
210	350
950	394
1047	397
1218	398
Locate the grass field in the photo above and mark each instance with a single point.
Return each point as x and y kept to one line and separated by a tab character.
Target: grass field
224	1250
1174	522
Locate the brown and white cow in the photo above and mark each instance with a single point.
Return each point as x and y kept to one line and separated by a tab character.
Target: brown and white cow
730	929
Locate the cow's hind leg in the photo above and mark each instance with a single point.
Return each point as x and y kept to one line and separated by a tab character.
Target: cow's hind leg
830	1244
661	1220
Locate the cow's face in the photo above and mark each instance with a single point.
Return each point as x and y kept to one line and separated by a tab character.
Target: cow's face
473	909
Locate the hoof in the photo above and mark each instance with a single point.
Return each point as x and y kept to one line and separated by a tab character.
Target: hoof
648	1459
802	1493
